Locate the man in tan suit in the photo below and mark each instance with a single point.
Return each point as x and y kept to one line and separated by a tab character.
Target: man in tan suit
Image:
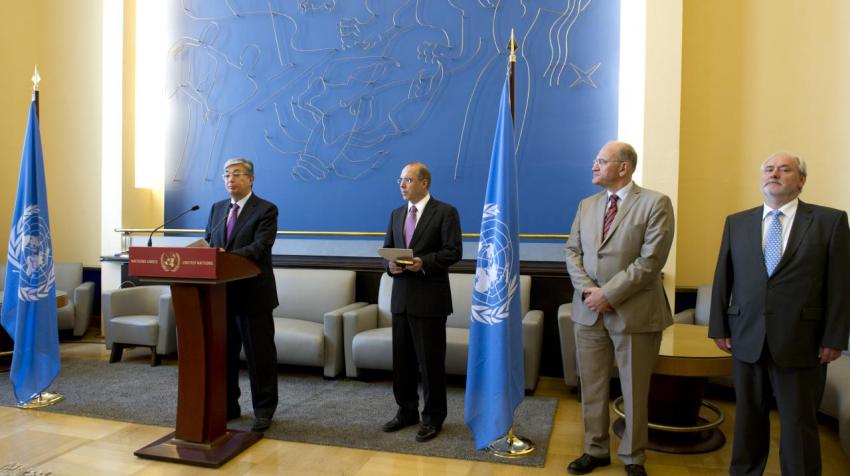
618	244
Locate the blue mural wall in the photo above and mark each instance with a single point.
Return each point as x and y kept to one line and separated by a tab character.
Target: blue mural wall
330	98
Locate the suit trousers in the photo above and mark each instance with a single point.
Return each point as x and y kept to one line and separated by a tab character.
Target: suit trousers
798	393
635	355
254	333
419	349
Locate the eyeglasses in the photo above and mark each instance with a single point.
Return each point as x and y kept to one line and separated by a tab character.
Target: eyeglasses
235	175
603	162
406	180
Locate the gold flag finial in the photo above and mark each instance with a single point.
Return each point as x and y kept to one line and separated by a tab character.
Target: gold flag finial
512	47
35	79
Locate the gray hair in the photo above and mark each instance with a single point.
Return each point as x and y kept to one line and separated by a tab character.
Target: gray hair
247	164
801	164
626	153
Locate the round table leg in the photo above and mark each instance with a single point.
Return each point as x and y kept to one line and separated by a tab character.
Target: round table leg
675	424
679	443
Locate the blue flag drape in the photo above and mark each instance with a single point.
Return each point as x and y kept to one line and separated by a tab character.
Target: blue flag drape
495	376
29	294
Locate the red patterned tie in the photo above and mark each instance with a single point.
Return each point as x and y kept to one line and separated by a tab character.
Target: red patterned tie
609	215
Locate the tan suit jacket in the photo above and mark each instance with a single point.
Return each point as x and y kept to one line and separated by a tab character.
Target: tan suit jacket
627	264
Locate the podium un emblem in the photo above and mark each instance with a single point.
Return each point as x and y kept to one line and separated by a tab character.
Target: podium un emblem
170	261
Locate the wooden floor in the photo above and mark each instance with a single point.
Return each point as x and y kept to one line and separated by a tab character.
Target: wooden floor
68	445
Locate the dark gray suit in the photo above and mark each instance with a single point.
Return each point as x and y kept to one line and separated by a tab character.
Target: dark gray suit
250	301
420	304
777	325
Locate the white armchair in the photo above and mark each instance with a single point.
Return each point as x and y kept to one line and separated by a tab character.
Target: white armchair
568	344
77	312
308	321
368	331
699	314
139	317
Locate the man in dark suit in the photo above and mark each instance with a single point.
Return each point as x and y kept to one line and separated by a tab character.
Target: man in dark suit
781	306
421	300
246	225
620	240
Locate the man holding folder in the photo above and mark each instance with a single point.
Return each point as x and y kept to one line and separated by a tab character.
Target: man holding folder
421	300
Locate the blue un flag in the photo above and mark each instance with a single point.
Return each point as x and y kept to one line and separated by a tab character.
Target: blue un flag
495	376
29	294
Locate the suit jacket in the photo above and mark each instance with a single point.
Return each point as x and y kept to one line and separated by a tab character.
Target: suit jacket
805	304
253	237
437	241
627	264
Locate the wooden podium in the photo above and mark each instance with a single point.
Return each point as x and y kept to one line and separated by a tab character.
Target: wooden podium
197	277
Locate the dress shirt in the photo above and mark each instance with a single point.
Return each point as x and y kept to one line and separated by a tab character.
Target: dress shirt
786	220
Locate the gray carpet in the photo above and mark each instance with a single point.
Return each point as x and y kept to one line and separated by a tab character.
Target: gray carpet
341	412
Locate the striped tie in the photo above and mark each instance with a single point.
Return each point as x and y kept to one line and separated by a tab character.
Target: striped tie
609	215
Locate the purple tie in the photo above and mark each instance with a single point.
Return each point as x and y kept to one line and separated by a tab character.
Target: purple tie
409	226
231	221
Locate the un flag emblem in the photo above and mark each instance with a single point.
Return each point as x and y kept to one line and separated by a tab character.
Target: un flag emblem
30	254
495	281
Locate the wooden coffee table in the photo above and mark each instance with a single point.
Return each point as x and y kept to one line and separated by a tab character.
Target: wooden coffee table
677	424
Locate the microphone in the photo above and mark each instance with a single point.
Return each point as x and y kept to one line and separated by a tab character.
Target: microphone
220	224
150	238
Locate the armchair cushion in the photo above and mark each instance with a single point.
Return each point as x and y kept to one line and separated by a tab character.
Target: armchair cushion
139	330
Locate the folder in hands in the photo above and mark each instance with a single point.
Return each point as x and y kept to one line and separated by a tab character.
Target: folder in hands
397	255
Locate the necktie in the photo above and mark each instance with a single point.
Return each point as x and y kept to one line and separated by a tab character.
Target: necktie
409	226
609	215
231	221
773	242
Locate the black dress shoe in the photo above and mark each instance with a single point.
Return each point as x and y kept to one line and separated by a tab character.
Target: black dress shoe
427	432
397	423
261	424
587	463
635	470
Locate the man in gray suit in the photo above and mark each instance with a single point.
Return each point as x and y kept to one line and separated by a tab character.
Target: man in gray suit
618	244
781	306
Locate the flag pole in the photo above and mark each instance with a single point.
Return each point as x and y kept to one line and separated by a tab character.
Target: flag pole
36	78
512	446
43	399
512	47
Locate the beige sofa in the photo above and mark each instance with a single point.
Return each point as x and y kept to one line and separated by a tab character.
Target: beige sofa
368	331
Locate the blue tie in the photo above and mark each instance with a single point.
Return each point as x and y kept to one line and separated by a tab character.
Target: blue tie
773	242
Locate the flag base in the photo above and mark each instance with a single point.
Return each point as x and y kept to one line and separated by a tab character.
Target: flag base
511	446
44	399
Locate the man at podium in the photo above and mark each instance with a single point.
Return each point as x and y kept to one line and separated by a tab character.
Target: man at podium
246	225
